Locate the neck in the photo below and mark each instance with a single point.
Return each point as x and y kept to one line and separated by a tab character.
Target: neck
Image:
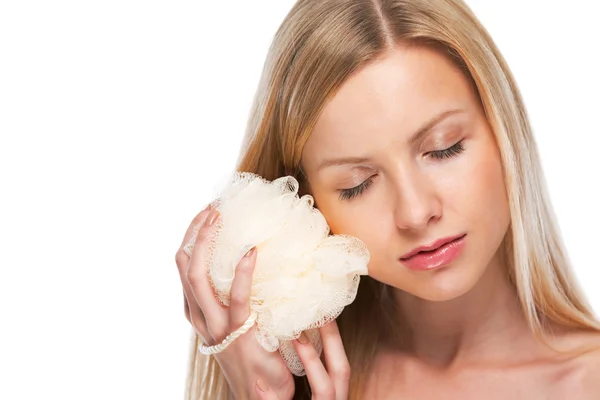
480	324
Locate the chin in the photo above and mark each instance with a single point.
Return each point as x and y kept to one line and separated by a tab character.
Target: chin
446	294
444	284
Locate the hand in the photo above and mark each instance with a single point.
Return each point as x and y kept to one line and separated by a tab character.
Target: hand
251	371
244	362
326	384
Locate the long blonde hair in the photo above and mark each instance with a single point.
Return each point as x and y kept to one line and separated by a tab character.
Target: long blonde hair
317	47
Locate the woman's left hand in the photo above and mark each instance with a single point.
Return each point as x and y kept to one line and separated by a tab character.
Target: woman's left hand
327	381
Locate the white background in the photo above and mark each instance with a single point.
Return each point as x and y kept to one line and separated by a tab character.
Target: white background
117	121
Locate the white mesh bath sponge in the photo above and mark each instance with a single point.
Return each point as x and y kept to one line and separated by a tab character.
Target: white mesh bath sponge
303	277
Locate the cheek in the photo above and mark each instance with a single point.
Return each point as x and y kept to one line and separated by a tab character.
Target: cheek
375	229
478	194
361	219
473	183
339	222
356	219
490	190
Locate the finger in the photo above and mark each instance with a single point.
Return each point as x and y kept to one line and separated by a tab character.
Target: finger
239	307
193	313
194	225
336	360
182	258
320	384
191	309
262	390
215	314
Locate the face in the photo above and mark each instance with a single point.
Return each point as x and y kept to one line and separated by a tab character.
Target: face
403	156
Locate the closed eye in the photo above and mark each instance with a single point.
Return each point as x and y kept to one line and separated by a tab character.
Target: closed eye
347	194
449	152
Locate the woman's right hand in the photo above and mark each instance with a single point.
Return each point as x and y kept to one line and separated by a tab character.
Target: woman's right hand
251	371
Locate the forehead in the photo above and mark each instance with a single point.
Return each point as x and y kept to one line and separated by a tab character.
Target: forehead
388	100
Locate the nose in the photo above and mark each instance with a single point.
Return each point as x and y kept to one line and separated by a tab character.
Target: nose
417	203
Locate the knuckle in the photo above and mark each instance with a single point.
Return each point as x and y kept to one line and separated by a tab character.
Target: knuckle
181	259
237	299
342	373
193	276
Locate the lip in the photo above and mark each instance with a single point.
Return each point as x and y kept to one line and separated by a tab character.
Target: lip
433	246
440	253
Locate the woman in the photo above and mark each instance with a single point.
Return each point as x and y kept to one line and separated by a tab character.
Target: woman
402	120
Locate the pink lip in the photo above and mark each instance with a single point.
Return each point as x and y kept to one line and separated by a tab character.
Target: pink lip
441	252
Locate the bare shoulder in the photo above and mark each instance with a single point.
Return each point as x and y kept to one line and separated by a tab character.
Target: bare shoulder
590	365
581	377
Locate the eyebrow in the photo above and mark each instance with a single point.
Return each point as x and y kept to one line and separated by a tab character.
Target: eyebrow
415	137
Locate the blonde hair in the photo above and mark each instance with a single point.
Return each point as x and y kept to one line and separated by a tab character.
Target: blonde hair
318	46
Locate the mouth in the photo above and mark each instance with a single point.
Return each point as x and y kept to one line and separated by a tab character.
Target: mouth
438	255
428	249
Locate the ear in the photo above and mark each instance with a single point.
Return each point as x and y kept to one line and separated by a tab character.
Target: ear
304	187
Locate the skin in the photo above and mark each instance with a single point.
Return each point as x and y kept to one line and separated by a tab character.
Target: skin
464	335
459	319
252	372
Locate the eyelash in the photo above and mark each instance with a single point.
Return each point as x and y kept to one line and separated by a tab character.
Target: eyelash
348	194
449	152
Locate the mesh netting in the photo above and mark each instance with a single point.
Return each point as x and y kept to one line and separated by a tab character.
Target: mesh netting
303	276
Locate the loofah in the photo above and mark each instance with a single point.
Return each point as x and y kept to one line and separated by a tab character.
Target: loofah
303	278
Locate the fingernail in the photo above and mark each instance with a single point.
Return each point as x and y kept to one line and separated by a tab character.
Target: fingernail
212	217
262	386
250	252
303	338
